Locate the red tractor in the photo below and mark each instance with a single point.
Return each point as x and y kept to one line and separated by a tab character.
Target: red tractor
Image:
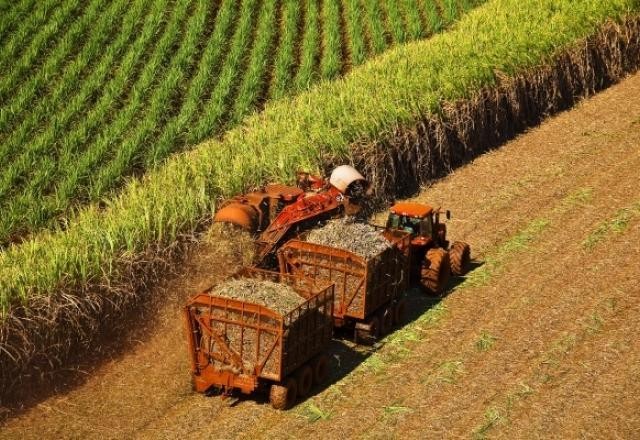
278	212
434	260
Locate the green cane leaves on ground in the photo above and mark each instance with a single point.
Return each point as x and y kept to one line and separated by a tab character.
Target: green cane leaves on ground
612	226
485	341
494	263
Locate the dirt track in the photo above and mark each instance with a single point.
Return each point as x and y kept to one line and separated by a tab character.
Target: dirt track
540	341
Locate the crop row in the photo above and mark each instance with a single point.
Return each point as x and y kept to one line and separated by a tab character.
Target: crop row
36	168
19	104
51	104
285	60
16	36
29	56
12	14
331	62
97	91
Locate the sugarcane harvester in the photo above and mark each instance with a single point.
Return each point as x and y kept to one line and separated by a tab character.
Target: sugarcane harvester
278	212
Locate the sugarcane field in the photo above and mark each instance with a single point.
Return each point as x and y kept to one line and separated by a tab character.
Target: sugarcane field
336	219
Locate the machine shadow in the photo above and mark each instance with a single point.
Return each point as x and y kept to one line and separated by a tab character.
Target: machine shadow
457	281
346	356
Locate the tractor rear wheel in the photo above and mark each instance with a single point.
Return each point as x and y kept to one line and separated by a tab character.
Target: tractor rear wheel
283	396
304	377
460	254
436	276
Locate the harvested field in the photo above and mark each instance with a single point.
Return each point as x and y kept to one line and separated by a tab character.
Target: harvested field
550	352
108	254
360	238
278	297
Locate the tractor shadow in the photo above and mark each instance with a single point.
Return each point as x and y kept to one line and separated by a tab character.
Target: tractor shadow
454	282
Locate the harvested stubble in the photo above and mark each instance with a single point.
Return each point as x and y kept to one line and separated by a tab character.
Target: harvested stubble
359	238
278	297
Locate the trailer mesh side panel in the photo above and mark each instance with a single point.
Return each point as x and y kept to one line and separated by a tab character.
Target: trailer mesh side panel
235	342
361	285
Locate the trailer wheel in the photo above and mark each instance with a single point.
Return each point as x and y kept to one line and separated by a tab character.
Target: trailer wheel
400	312
320	369
283	396
460	254
386	321
304	378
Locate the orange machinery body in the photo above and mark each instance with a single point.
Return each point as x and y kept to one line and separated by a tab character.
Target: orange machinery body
418	210
305	212
363	286
240	345
421	242
255	210
438	236
279	211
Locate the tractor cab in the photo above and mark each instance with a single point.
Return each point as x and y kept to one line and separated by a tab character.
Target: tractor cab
430	249
422	221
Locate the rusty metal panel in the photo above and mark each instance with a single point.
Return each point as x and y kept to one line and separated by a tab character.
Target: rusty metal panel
362	285
307	330
345	269
233	343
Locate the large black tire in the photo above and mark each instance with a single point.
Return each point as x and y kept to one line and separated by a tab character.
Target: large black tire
436	276
400	312
283	396
304	377
320	369
386	321
460	255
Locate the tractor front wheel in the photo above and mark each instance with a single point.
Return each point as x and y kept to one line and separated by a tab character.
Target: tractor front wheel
460	254
436	276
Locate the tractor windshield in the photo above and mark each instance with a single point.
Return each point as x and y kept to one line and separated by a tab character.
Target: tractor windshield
409	224
393	222
426	226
